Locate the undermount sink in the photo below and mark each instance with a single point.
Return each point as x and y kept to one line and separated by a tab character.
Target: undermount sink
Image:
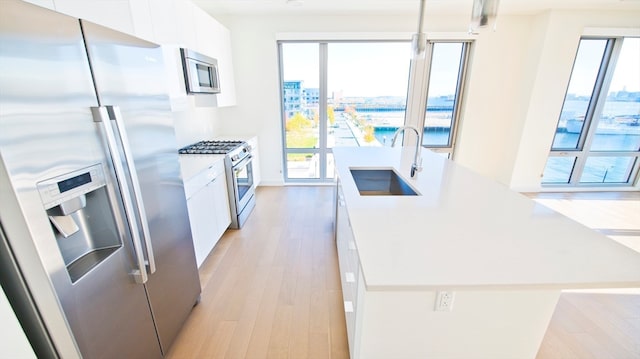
381	182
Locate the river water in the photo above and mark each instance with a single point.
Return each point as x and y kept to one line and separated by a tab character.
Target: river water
597	170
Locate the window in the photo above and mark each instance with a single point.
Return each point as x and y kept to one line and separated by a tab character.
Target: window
343	91
346	93
597	139
446	76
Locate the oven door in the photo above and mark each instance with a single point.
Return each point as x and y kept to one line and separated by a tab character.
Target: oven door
244	187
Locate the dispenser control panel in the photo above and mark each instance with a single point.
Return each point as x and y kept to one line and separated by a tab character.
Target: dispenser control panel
59	189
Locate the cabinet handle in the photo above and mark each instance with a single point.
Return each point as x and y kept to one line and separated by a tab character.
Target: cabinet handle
348	306
350	277
101	115
116	117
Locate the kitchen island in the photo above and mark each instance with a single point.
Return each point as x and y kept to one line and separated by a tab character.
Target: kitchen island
465	269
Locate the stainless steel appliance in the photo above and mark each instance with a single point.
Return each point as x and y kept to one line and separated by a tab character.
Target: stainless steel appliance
200	72
239	172
96	245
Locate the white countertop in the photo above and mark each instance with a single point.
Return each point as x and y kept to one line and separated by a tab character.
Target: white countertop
466	231
191	164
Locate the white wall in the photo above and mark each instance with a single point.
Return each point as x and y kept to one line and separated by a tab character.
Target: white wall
516	83
546	93
493	103
256	70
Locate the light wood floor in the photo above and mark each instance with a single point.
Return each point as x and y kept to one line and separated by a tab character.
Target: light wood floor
272	289
598	324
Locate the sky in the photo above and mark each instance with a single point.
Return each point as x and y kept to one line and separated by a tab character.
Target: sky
369	69
587	63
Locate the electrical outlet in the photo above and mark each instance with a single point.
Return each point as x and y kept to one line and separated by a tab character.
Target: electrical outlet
444	301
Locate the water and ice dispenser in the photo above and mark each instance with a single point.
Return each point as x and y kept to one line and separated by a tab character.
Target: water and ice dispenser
82	218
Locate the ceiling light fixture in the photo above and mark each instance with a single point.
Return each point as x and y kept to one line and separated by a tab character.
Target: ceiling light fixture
483	14
419	39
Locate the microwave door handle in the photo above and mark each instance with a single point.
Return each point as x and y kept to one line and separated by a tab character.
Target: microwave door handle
116	116
101	115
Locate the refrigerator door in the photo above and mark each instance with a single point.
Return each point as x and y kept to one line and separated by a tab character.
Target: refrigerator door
47	131
129	75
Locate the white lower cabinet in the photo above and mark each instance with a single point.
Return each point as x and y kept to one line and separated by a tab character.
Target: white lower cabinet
350	274
208	205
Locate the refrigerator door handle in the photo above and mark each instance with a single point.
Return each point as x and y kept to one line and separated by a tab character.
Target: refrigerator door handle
101	115
116	116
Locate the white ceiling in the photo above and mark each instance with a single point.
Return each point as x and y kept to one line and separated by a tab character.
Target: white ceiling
336	7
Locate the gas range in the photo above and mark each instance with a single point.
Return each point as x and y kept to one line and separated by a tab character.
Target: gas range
235	150
239	174
211	147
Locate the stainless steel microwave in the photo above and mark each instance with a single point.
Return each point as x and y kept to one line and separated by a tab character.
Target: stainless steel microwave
200	72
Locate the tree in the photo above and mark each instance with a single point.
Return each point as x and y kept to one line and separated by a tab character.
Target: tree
331	115
369	134
298	122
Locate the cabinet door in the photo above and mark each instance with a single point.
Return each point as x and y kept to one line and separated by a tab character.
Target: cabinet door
44	3
214	39
113	14
222	41
202	220
255	152
142	22
222	211
349	266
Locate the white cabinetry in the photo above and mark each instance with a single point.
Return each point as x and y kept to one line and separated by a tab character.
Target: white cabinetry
43	3
401	321
208	206
255	153
350	274
213	39
113	14
171	23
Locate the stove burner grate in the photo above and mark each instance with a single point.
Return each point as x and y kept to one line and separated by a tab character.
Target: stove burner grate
211	147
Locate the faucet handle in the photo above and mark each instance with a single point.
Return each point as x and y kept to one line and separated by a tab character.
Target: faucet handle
416	167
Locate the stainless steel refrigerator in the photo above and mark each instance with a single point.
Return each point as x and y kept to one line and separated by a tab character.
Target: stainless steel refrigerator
96	253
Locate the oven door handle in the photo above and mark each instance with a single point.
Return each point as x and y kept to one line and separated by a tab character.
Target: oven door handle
243	162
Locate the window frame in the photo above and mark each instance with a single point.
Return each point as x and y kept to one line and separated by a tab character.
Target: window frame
593	115
324	152
456	116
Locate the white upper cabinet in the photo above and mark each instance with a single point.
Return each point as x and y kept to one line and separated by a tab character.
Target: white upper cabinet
43	3
214	40
172	23
141	17
112	14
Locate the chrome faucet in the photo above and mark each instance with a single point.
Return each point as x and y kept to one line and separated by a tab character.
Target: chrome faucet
415	166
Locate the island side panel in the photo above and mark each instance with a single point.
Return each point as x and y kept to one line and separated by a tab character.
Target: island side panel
483	324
